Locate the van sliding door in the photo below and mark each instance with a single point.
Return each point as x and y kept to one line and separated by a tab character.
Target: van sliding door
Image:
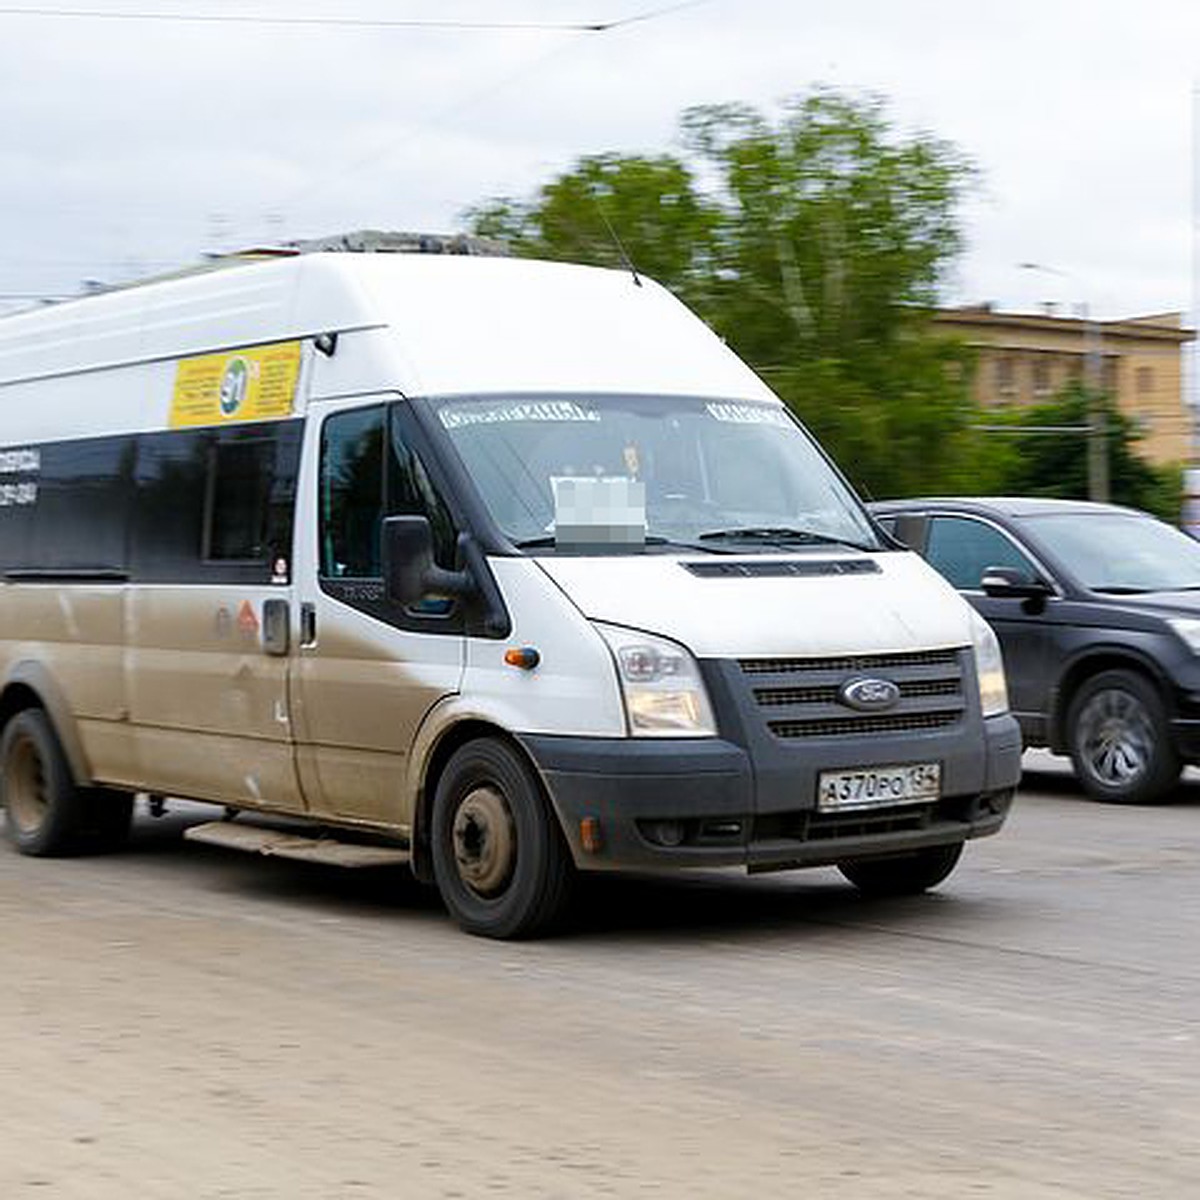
207	650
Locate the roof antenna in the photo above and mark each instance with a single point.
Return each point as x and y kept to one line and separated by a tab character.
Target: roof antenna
612	233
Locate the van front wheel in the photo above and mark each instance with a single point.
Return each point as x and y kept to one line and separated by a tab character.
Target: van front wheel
44	808
499	858
903	874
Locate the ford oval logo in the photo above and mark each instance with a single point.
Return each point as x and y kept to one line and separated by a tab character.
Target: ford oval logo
869	695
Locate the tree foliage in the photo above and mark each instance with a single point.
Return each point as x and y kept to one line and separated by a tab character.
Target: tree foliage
612	210
815	250
1038	464
816	246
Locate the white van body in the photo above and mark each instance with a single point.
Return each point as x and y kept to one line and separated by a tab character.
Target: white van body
186	475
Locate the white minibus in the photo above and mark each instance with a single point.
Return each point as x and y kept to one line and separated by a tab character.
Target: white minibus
499	568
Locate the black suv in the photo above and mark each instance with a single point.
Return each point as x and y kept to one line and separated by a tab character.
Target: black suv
1097	609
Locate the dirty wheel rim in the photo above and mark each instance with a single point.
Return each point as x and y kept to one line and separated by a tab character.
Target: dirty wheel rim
25	787
1116	738
485	841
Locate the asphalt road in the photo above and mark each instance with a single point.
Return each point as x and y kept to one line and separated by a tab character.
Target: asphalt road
181	1021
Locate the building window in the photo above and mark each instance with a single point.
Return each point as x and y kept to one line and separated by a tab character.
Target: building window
1041	377
1006	376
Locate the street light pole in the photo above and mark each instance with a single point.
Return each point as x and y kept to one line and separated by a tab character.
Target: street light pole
1097	439
1097	421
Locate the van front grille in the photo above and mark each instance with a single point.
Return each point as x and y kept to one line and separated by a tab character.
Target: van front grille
854	726
865	662
803	697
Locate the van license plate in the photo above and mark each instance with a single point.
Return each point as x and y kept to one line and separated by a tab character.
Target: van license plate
877	787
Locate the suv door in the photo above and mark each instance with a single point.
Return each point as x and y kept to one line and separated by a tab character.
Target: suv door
961	548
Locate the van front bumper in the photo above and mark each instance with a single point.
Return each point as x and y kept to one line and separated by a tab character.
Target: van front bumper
704	803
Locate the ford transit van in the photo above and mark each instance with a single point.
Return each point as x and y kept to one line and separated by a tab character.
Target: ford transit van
499	568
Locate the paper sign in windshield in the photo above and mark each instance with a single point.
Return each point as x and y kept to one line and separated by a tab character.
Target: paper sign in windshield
603	511
257	383
527	410
748	414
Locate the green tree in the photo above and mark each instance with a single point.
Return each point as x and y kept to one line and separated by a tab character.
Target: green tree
610	210
1046	464
816	252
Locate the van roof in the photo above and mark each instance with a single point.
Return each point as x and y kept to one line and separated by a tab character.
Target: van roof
454	324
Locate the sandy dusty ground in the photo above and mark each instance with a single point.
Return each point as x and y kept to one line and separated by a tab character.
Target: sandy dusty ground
178	1021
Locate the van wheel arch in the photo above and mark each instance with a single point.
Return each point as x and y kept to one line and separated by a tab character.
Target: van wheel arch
457	736
31	686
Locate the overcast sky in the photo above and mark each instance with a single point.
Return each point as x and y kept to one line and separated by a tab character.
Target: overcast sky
128	146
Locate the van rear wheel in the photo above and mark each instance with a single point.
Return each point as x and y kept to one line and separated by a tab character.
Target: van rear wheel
499	858
44	808
903	874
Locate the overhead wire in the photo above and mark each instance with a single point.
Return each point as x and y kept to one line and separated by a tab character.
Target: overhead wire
581	28
438	120
93	14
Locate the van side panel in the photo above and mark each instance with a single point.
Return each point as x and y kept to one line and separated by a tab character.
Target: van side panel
210	707
68	643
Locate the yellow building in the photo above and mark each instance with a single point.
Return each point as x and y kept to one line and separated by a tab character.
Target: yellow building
1025	358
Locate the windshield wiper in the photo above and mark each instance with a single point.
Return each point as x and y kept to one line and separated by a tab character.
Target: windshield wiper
779	535
549	541
1123	589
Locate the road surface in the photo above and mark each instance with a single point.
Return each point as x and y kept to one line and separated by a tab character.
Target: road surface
182	1021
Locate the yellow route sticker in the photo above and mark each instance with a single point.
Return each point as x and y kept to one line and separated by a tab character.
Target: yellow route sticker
257	383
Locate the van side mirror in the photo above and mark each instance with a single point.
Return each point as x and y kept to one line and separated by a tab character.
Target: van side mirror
409	572
909	530
1002	582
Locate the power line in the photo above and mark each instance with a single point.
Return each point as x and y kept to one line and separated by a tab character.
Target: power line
263	19
391	146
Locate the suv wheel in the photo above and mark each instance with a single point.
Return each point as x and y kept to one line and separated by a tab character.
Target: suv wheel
1120	740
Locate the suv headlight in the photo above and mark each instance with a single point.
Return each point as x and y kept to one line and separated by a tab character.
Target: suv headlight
661	685
1188	628
989	668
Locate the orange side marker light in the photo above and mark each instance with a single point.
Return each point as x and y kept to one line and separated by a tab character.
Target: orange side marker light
525	657
590	837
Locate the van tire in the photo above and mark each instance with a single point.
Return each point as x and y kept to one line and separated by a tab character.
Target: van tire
1119	739
499	858
44	810
903	874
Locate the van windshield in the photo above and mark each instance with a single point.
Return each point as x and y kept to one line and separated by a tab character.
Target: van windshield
628	470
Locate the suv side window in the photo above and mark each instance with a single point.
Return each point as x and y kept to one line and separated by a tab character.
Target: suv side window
962	548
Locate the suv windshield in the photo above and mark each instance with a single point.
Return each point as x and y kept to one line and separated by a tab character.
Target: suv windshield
1120	552
739	475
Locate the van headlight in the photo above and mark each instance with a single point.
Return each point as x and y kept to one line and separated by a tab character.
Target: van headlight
989	668
661	685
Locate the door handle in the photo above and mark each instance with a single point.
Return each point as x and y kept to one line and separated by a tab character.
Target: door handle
308	624
276	627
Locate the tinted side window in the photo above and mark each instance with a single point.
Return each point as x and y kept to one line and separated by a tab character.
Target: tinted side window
215	505
962	548
360	484
239	474
411	494
251	491
351	495
82	510
170	483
